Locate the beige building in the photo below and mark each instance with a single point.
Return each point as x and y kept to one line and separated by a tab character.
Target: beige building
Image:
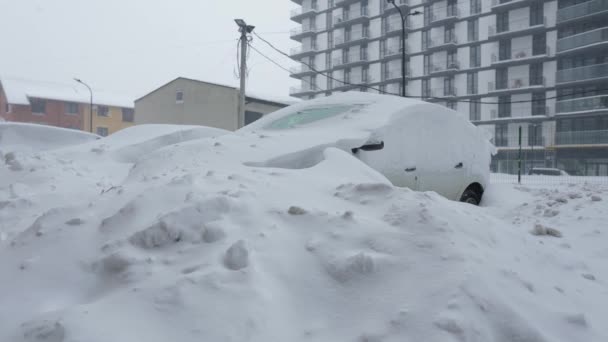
186	101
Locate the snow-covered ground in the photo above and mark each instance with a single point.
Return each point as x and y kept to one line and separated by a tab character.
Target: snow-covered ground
155	234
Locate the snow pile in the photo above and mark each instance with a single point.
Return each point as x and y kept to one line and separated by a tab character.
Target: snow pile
187	242
31	137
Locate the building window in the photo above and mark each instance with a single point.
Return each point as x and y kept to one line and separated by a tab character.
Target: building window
501	135
330	39
71	108
472	83
539	44
537	13
8	108
475	56
451	105
427	15
425	39
535	135
103	111
346	76
365	74
504	49
474	110
426	64
426	89
502	78
473	30
448	87
128	114
502	22
251	117
536	74
504	106
538	104
179	96
330	3
38	106
475	6
448	34
330	81
102	131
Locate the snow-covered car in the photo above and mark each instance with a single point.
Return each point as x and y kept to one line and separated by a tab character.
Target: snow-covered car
414	144
546	171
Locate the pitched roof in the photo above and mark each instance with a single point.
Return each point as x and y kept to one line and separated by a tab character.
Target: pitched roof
19	91
283	100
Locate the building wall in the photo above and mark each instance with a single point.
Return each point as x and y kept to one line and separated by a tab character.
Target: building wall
55	114
113	122
203	104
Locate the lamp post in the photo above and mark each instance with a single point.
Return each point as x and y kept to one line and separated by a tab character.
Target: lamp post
402	42
90	103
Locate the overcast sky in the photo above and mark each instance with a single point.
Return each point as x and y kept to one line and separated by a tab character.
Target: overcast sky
134	46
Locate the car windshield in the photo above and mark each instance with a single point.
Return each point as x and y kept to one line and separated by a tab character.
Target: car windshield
309	115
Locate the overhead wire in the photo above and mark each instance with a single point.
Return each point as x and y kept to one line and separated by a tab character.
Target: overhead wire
446	99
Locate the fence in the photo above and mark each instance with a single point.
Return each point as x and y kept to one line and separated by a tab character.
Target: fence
527	156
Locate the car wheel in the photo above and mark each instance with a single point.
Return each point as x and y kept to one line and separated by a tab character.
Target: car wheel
471	197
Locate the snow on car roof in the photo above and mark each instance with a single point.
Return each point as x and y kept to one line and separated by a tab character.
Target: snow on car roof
19	91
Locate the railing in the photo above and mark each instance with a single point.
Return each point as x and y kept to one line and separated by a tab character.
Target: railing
496	3
443	92
582	104
515	83
351	15
395	75
388	7
302	49
300	90
582	137
353	37
303	10
440	41
521	54
394	25
300	69
302	30
587	72
390	51
583	39
449	12
445	66
581	10
352	58
514	26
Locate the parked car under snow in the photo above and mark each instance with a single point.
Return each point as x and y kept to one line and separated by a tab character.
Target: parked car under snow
414	144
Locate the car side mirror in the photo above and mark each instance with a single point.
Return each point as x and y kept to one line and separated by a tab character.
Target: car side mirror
369	147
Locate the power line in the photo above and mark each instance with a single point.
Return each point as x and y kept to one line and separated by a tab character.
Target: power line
280	66
419	97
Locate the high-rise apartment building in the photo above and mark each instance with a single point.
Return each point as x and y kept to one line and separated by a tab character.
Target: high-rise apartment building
535	64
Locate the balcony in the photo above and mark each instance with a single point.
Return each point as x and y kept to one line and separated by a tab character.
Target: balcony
505	5
394	75
583	11
299	2
522	56
354	59
582	138
516	28
351	18
299	52
394	28
445	68
301	32
352	39
300	13
299	71
392	52
582	105
583	74
449	15
345	2
520	113
515	85
353	81
594	39
301	91
443	93
389	8
440	43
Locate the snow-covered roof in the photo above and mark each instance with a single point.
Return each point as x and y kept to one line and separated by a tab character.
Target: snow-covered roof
285	100
19	91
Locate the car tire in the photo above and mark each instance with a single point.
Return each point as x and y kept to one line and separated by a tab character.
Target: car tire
471	197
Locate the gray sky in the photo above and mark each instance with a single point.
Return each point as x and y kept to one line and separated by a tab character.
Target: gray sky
134	46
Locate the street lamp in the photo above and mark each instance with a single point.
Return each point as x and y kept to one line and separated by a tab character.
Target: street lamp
402	41
90	104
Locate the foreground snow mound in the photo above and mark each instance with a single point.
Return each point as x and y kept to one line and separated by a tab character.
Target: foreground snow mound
17	137
186	244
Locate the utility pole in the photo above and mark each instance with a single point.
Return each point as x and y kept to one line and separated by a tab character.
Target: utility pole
245	30
403	51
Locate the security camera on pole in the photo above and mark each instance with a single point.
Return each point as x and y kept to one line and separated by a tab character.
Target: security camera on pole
245	30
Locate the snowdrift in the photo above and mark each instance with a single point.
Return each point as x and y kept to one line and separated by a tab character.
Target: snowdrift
31	137
188	241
